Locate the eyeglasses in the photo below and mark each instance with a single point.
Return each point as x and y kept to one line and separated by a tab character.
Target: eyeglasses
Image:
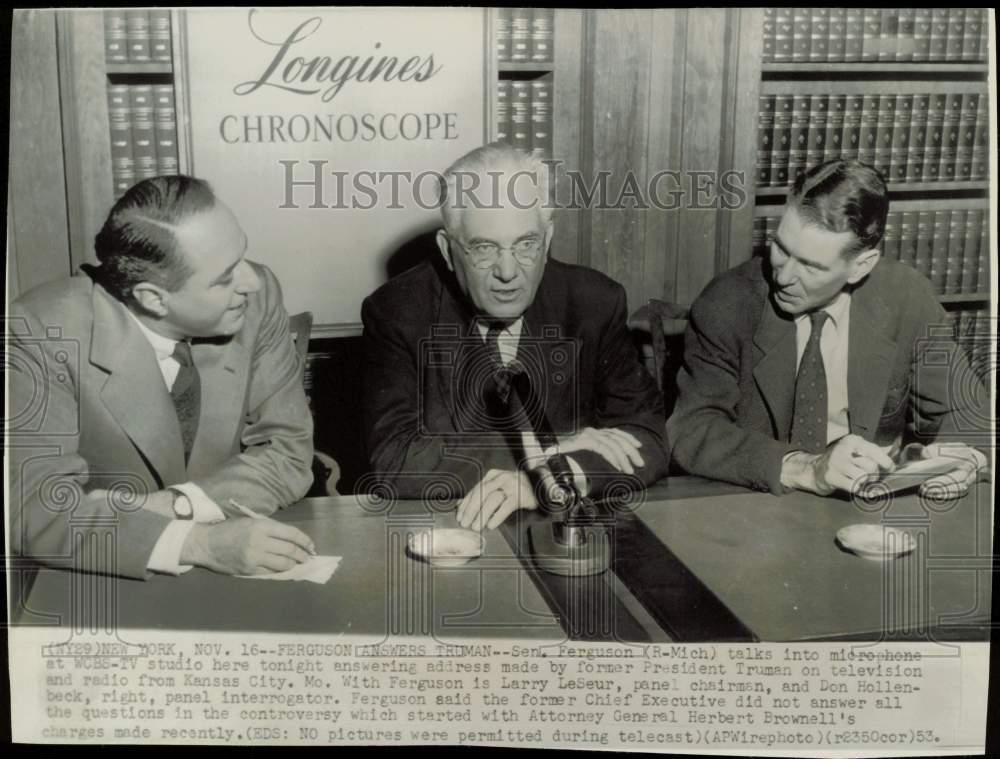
484	255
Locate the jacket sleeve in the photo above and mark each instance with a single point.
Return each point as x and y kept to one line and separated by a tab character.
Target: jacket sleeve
407	459
702	433
274	468
58	514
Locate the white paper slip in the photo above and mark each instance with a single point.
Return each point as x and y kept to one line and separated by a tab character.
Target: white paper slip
319	569
914	473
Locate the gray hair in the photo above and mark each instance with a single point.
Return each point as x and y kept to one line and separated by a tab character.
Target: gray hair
474	179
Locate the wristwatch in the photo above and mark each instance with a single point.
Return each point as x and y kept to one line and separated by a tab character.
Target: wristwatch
181	505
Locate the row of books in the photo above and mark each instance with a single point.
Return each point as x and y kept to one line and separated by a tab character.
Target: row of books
976	332
137	36
525	35
524	114
143	125
933	137
950	247
820	35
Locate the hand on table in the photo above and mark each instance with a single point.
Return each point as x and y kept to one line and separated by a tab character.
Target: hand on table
840	467
618	447
494	498
956	483
245	546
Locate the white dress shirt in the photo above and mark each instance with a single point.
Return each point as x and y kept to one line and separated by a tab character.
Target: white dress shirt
166	553
833	347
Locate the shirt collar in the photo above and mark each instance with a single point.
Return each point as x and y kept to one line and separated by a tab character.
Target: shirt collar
162	346
838	309
511	330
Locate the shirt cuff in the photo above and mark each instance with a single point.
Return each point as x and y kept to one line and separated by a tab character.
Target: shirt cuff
579	478
166	555
203	508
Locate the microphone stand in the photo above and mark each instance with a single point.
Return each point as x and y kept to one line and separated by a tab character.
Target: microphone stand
571	543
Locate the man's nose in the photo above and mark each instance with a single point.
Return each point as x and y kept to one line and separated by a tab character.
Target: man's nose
784	275
248	281
505	269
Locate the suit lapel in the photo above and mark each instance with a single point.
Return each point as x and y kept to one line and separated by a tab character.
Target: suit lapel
774	365
869	363
134	392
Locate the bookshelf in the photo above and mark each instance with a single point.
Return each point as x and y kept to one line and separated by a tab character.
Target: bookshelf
906	91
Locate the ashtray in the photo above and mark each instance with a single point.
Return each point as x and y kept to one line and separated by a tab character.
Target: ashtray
449	547
875	542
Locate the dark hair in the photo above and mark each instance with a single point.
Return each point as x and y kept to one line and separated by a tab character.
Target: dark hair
844	196
138	242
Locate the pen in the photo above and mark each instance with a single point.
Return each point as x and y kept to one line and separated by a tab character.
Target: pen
244	510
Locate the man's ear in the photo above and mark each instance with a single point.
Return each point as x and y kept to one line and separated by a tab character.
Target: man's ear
151	298
863	264
445	247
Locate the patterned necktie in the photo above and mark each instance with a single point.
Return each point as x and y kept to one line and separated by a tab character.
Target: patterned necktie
186	395
810	416
501	375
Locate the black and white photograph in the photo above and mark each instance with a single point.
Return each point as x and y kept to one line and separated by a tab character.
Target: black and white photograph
534	377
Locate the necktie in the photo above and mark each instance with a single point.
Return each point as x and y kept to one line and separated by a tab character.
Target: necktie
810	416
186	395
501	375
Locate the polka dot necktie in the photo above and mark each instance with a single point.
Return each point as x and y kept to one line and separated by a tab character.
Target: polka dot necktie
186	395
809	418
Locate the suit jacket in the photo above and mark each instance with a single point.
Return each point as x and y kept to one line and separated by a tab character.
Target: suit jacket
906	377
94	412
425	427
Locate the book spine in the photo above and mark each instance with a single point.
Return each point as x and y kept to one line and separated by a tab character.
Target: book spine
935	135
980	148
851	140
854	34
115	37
868	139
872	27
938	43
939	250
520	35
985	256
159	36
120	122
503	111
925	238
972	32
950	137
165	129
906	34
918	135
888	34
921	34
984	37
802	34
768	33
765	135
143	133
542	28
819	35
781	144
503	32
970	261
771	231
891	237
784	33
956	251
908	238
819	111
883	147
836	43
541	117
955	34
966	137
137	35
758	237
799	142
835	127
899	159
520	115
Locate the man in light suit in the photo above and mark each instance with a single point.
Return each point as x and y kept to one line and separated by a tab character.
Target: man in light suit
808	369
438	335
158	399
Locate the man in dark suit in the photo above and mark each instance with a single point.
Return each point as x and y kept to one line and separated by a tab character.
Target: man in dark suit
158	399
436	335
808	370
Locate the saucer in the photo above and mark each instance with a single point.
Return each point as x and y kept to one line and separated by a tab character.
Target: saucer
876	542
446	547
